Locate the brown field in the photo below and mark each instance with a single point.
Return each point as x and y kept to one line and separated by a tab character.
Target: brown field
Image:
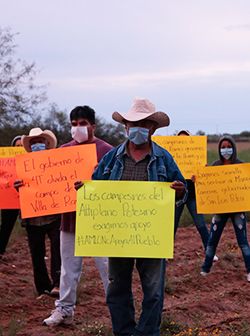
241	146
216	305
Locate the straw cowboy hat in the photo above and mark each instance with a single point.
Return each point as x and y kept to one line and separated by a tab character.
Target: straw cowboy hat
49	136
142	109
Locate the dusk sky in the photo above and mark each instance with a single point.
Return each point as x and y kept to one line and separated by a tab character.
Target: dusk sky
191	58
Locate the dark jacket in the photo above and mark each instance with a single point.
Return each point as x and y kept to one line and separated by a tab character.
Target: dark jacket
234	159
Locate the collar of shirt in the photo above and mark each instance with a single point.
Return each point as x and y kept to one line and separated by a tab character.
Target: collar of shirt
126	152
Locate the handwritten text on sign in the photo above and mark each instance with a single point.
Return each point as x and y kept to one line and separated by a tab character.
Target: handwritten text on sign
223	189
125	219
189	152
49	178
11	151
9	198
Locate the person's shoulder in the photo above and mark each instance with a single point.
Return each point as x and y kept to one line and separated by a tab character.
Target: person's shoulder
102	143
113	152
160	151
70	143
217	163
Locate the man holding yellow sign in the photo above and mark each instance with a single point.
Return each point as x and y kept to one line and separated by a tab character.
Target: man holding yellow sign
139	159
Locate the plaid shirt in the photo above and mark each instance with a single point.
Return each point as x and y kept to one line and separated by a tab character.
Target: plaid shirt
135	170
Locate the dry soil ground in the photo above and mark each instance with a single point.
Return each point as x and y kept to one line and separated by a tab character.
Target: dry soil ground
194	305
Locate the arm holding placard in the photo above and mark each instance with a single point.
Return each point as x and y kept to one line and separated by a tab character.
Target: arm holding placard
78	185
179	188
18	184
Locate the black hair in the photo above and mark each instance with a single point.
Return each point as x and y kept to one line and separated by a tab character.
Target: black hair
84	112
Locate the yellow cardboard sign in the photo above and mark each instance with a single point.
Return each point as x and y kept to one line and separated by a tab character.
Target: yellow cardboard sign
223	189
11	151
189	152
125	219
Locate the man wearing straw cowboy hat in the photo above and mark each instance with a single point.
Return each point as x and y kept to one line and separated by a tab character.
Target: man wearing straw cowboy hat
39	227
139	159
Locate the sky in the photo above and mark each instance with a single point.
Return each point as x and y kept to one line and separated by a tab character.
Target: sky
191	58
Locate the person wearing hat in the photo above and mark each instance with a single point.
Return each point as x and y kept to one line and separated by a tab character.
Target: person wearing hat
139	159
39	140
8	216
199	219
38	228
83	126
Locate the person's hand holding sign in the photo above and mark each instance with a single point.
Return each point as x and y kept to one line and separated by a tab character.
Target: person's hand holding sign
78	185
179	187
18	184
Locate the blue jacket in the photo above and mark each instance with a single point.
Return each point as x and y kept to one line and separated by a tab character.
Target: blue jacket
161	167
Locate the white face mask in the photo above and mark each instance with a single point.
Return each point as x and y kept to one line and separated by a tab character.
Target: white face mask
226	152
79	133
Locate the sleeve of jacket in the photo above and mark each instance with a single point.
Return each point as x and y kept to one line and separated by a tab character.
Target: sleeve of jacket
176	175
104	166
98	173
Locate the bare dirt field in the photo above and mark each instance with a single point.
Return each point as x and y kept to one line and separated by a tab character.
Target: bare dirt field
214	305
241	146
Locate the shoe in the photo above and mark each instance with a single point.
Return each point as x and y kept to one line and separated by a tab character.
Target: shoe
55	292
248	277
41	297
216	258
57	318
203	273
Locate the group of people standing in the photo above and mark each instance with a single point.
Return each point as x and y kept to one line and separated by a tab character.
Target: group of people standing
137	159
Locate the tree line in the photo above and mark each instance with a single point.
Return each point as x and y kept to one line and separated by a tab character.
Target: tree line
24	105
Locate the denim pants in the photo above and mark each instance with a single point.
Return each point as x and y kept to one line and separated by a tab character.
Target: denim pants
71	270
120	296
37	238
198	219
218	223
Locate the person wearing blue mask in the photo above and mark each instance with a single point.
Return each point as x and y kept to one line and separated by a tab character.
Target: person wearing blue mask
227	155
38	228
138	159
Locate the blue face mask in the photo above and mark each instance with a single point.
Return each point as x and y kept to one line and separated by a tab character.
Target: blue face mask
226	152
37	147
138	135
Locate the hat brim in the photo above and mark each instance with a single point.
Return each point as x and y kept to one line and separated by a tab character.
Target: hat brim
160	118
51	141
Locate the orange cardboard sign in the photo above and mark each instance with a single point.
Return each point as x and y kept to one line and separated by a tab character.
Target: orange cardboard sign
9	198
49	178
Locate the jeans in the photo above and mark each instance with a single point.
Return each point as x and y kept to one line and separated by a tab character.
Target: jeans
120	296
198	219
71	270
8	219
217	227
36	238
